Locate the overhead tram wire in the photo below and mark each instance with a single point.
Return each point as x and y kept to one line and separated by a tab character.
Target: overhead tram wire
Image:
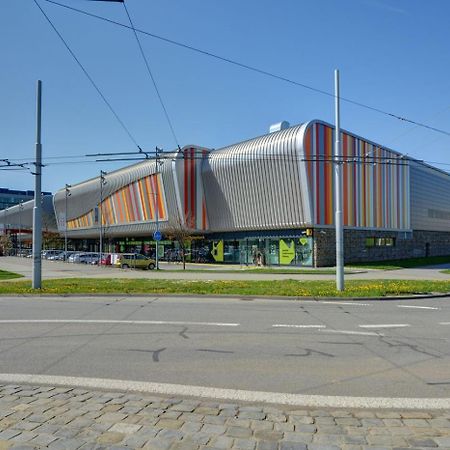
108	104
150	73
251	68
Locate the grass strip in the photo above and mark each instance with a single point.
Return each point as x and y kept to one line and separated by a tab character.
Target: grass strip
5	275
396	264
258	270
446	271
325	288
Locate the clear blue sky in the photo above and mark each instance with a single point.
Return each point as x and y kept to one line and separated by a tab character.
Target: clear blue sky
393	55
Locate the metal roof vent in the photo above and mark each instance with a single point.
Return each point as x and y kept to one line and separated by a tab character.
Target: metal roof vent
279	126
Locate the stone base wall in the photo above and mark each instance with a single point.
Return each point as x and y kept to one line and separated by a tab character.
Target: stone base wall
407	245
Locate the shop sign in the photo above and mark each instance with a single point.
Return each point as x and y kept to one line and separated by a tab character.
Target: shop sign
217	251
287	251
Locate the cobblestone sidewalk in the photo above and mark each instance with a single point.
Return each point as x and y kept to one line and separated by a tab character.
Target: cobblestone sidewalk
33	417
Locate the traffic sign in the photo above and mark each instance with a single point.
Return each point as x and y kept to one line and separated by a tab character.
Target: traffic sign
157	236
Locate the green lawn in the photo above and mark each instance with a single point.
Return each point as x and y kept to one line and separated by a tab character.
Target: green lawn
396	264
5	275
360	288
446	271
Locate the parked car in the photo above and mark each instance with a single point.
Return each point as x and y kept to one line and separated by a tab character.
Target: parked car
50	254
135	260
84	258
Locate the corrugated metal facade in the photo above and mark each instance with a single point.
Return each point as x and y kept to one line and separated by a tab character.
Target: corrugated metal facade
259	184
430	198
279	181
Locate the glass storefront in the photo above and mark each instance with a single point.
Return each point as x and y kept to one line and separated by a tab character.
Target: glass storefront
251	251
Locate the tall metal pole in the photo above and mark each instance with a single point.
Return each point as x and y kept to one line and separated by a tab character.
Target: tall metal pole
37	209
157	208
102	182
338	191
68	186
20	227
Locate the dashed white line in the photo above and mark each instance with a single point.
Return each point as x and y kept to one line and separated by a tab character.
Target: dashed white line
417	307
444	323
357	333
119	322
320	302
386	325
283	325
346	303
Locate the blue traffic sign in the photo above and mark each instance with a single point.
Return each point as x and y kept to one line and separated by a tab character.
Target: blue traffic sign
157	236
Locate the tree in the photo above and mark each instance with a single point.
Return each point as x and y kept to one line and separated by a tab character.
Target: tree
5	244
177	231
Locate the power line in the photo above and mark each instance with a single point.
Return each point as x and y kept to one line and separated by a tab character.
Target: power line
147	65
253	69
87	74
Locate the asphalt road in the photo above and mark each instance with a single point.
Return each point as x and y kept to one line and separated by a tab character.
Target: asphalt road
374	348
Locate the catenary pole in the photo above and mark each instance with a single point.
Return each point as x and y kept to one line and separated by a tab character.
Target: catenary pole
68	186
37	209
157	208
338	191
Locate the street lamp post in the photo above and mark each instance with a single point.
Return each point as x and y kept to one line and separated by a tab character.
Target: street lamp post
67	195
102	183
20	227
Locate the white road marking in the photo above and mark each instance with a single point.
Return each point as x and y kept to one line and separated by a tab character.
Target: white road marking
283	325
280	398
346	303
320	302
386	325
417	307
357	333
444	323
122	322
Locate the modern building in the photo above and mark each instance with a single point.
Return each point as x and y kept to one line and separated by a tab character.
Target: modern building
11	197
267	200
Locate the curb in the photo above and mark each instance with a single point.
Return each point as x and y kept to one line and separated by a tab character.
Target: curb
238	395
234	297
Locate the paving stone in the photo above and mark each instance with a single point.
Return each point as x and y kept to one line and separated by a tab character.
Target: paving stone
184	445
206	411
110	437
43	439
8	434
415	415
214	429
301	428
292	446
443	441
267	435
304	438
170	424
416	423
244	444
170	435
66	444
238	432
157	444
254	415
323	447
125	428
267	445
417	442
200	438
224	442
283	427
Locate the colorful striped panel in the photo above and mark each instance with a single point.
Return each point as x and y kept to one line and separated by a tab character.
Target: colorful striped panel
374	195
194	204
140	201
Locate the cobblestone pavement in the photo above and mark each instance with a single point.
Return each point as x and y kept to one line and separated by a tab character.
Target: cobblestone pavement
35	417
